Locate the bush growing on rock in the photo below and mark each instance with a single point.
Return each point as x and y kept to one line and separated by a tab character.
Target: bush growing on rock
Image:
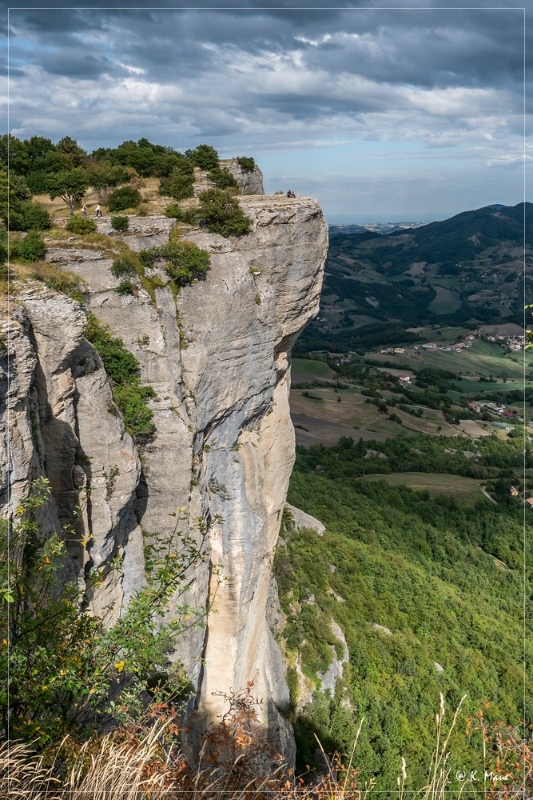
80	225
246	163
126	287
124	265
174	211
221	213
123	198
30	248
123	370
222	179
120	224
184	261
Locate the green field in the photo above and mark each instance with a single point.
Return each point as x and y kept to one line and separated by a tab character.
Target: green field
305	370
482	358
466	490
475	387
445	302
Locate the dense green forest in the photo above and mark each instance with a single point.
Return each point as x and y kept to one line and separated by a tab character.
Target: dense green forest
445	582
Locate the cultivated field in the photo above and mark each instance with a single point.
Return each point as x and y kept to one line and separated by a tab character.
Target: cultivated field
482	358
323	415
305	370
464	490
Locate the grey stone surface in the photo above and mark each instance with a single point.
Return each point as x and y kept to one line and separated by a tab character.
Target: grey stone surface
217	357
303	520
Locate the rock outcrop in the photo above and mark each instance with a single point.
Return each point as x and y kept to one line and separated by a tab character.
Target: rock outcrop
250	181
217	356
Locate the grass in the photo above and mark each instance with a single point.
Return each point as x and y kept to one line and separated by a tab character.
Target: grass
305	369
482	358
475	387
464	490
328	419
151	767
445	302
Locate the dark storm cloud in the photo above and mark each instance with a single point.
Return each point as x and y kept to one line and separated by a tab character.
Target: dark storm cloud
425	47
267	75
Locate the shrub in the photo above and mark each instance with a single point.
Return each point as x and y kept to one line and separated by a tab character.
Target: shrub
126	287
31	248
120	223
204	157
222	178
179	185
33	216
123	198
81	225
174	211
221	213
185	261
131	399
246	163
62	660
124	265
122	368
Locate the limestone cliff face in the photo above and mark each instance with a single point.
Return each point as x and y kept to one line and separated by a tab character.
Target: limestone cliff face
217	357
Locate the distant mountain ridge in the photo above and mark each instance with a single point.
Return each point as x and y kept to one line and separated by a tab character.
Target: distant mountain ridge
468	269
381	228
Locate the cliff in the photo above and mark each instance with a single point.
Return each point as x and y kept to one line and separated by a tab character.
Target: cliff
217	356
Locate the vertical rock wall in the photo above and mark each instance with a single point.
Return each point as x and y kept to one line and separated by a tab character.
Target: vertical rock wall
217	357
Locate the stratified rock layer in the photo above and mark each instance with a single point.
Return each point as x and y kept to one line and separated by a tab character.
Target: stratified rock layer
217	357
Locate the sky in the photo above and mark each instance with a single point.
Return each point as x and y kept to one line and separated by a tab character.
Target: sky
383	111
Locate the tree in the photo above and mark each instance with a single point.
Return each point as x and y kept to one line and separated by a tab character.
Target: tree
62	660
13	152
14	192
204	157
70	186
71	148
104	176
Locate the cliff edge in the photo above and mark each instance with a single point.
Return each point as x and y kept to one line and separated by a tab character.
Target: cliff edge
217	355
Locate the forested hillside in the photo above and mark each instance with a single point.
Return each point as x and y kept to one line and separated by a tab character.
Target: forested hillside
467	269
428	592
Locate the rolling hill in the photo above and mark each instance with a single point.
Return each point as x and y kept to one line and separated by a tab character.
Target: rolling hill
467	270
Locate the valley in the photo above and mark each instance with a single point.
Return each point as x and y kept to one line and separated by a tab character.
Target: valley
412	402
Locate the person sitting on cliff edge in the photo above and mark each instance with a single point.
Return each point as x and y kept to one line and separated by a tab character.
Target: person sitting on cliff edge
290	193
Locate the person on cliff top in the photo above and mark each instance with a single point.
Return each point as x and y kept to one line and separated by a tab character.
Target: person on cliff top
290	193
98	212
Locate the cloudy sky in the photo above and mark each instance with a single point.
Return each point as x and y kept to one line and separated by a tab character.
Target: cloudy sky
382	110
